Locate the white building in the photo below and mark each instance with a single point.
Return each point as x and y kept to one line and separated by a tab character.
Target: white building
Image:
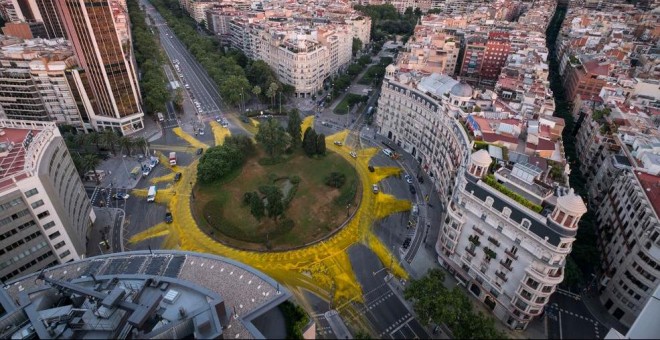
45	214
509	255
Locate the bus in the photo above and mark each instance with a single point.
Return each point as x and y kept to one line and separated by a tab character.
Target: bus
160	116
151	195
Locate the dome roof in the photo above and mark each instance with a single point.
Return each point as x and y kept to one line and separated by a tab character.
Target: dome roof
481	158
390	68
461	90
571	203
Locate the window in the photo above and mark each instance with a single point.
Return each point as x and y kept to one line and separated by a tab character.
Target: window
49	225
54	235
531	283
43	214
59	245
31	192
37	204
65	254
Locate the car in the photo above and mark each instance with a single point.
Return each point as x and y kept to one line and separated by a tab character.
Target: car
338	143
218	119
120	195
408	179
412	189
420	179
224	123
187	86
200	151
168	217
388	152
353	154
371	168
375	188
201	132
177	177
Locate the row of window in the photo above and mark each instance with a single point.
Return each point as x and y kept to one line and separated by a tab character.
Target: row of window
28	265
20	242
11	204
13	217
15	231
22	254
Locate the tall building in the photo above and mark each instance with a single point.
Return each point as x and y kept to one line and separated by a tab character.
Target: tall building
39	16
101	41
473	58
507	232
35	84
629	238
145	295
45	213
497	50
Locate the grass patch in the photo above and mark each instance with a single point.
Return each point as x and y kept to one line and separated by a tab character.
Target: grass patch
313	209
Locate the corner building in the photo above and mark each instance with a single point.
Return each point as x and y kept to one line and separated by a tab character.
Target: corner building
508	255
45	213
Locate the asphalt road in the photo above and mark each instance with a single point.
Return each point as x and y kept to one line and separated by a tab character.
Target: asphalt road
388	315
201	86
569	318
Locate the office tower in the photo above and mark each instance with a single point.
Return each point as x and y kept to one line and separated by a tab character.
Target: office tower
45	213
98	32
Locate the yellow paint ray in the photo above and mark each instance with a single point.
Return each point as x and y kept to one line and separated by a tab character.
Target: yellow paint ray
160	229
165	178
387	204
188	138
381	173
219	132
254	122
386	258
164	160
139	193
307	122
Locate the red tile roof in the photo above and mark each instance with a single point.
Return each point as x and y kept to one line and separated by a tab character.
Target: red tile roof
14	161
651	186
594	66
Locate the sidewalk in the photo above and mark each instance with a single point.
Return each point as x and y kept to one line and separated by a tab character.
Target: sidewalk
102	226
598	311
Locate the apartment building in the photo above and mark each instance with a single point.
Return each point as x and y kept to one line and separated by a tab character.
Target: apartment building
38	17
431	52
473	58
99	33
45	214
498	48
629	230
509	253
35	84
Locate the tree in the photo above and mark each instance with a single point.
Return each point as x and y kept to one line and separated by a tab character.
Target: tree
178	99
142	144
433	302
271	92
109	138
320	144
218	161
94	138
354	69
126	144
335	180
256	90
273	137
275	206
309	142
357	45
293	127
91	162
232	88
257	208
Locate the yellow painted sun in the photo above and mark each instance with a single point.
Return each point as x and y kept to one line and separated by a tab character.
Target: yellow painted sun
323	268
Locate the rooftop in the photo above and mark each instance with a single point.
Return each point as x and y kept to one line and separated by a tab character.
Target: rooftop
167	294
651	186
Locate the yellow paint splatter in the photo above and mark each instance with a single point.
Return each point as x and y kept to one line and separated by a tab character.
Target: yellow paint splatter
323	268
307	122
254	122
190	139
165	178
219	132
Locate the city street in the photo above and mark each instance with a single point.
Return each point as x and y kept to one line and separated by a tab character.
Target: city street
569	318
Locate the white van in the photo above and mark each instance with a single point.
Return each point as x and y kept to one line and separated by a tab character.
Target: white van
151	195
388	152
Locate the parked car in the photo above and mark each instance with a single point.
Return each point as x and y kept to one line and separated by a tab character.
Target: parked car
338	143
388	152
168	217
371	168
353	154
375	188
200	151
412	189
408	178
120	195
177	177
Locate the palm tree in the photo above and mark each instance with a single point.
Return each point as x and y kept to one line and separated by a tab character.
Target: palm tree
142	144
94	138
91	162
126	143
109	138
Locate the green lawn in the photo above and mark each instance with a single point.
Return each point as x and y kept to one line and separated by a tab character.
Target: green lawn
342	107
314	210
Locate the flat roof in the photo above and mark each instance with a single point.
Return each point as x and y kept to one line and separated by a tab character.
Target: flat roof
245	292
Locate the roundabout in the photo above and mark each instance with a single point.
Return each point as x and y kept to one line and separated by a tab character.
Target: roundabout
324	267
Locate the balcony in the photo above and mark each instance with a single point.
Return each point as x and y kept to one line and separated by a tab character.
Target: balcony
512	255
493	241
501	275
506	265
478	230
470	251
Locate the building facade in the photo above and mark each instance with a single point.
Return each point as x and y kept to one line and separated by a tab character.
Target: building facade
45	214
509	255
99	33
629	239
34	84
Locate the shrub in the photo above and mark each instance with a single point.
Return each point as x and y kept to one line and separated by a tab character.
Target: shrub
295	318
335	180
490	180
346	194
